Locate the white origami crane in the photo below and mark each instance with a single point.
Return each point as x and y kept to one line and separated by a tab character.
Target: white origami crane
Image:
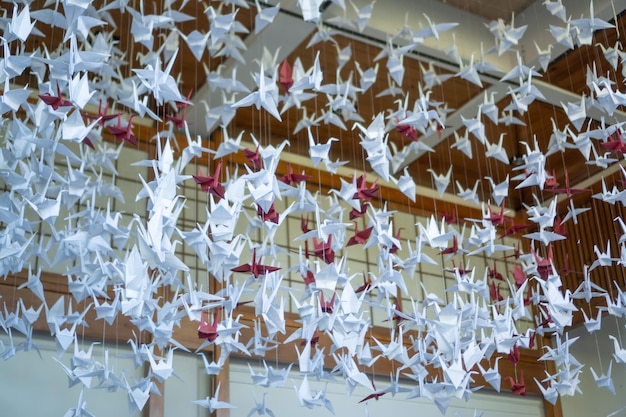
441	180
212	403
263	97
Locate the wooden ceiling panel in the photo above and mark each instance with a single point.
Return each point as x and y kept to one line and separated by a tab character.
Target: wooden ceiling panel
489	9
191	71
569	71
455	92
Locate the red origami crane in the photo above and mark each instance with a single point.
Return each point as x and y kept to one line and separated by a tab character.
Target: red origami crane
55	101
291	178
567	190
440	129
324	250
124	133
309	278
458	269
360	236
544	266
514	228
452	250
255	267
407	131
450	218
270	216
518	388
363	192
494	293
327	306
367	284
497	218
88	142
493	273
615	143
551	181
254	157
566	268
514	355
375	395
355	214
519	275
210	183
560	228
285	76
304	224
103	116
208	330
178	120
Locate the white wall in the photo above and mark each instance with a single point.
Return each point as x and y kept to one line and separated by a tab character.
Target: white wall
195	385
590	349
33	386
284	402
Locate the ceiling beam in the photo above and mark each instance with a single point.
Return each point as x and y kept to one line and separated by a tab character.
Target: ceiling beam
553	95
538	20
285	34
468	36
348	174
556	95
289	32
468	39
453	123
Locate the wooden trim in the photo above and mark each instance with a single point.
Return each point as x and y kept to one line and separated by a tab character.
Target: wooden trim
186	334
223	379
156	403
551	410
325	180
55	286
555	410
287	352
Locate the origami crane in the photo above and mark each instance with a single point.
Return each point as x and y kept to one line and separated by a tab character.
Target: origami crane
210	183
255	268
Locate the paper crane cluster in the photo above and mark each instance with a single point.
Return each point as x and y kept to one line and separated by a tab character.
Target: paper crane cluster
53	158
